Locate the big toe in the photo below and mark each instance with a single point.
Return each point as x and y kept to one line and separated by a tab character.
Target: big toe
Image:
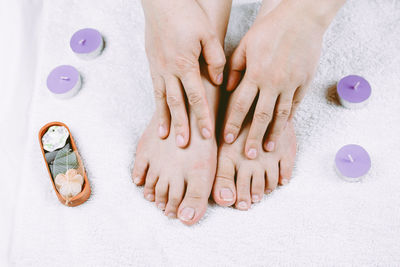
224	193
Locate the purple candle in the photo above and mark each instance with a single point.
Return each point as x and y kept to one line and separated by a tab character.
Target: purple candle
87	43
64	81
353	91
352	162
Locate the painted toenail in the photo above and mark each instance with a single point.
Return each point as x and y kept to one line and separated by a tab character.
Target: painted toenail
162	131
255	198
161	206
136	180
229	138
252	153
226	194
242	205
150	197
285	181
187	214
206	133
268	191
270	146
171	215
180	141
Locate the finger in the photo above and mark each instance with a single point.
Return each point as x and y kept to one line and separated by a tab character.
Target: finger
196	96
177	108
214	55
237	65
297	98
160	95
281	116
261	119
238	107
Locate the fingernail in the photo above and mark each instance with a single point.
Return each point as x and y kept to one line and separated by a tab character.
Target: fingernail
187	214
242	205
226	194
229	138
162	131
136	180
171	215
270	146
285	181
255	198
252	153
161	206
180	141
206	133
268	191
220	77
150	197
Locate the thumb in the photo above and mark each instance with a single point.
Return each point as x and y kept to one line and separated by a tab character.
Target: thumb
237	65
214	55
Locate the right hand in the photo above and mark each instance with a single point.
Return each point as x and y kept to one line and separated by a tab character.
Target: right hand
176	35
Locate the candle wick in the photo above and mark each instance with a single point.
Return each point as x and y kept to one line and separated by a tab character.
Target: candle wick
350	158
356	85
65	78
82	42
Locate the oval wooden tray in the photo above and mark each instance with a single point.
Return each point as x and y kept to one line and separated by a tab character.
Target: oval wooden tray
86	191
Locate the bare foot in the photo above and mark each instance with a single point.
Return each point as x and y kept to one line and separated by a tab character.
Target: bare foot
253	177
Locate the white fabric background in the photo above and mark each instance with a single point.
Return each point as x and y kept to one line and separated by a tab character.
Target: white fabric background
316	220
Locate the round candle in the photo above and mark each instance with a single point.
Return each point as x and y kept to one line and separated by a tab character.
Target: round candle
352	162
87	43
64	81
353	91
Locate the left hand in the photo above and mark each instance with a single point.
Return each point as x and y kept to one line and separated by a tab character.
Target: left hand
279	55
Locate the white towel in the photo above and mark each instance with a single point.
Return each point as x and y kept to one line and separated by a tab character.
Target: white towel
318	219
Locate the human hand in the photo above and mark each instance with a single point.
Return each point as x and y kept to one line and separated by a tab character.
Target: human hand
279	55
176	35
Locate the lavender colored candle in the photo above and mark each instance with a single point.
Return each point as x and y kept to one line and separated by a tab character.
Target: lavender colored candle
87	43
352	162
353	91
64	81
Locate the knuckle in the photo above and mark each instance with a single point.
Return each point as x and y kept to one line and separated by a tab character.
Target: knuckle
159	93
194	98
239	106
184	64
173	101
233	126
262	116
282	112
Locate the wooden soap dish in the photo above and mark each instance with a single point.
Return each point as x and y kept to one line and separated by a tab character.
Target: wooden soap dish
86	191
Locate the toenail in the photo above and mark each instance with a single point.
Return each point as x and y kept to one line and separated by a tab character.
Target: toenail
229	138
268	191
187	214
242	205
226	194
270	146
252	153
161	206
171	215
206	133
136	180
180	141
255	198
162	131
285	181
150	197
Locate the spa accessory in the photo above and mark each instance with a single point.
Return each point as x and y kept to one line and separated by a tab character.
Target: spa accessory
352	163
353	91
64	81
55	138
64	166
87	43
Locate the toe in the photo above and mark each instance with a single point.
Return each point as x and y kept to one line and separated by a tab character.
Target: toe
195	202
161	192
285	170
224	192
243	201
272	175
175	195
257	185
150	184
139	169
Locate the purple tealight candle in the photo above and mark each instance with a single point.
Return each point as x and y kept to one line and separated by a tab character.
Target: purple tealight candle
352	162
353	91
87	43
64	81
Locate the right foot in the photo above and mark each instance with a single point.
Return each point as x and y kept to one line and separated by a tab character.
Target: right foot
253	177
